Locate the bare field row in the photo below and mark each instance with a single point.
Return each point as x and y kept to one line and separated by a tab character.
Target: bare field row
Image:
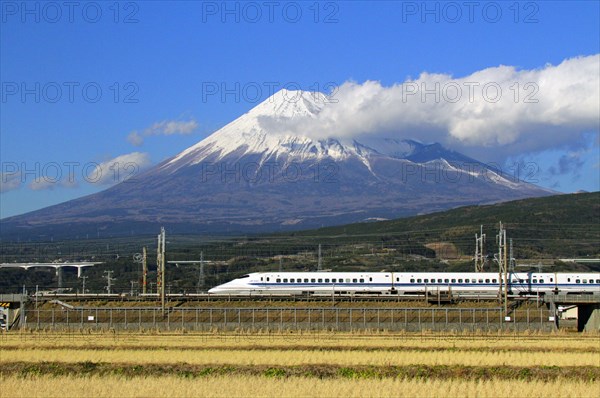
305	347
306	357
382	341
131	370
259	386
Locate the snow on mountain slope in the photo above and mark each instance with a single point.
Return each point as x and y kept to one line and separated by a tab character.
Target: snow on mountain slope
258	133
253	174
247	135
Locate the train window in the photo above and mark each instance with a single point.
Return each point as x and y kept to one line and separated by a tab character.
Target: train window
551	280
412	281
320	280
426	280
446	280
597	280
261	279
371	279
521	280
584	281
418	281
326	280
305	280
292	280
577	281
268	279
285	280
439	281
333	280
362	281
347	280
534	281
278	280
568	279
541	281
354	280
481	281
453	280
460	280
487	281
494	280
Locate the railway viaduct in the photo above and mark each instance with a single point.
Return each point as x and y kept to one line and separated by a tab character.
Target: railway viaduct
588	309
15	309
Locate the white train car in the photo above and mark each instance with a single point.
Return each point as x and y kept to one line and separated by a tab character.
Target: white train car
408	283
307	282
422	282
577	282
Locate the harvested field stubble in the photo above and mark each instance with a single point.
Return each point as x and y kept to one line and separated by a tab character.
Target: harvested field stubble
252	386
298	364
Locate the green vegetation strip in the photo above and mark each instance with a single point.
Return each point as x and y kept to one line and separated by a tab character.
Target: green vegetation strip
319	348
86	369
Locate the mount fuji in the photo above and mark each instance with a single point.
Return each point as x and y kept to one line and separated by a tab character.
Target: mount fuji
253	175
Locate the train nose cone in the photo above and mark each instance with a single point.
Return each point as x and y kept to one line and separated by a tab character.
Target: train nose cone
213	290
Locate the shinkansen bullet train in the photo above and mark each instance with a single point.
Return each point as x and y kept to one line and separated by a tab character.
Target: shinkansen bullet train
520	283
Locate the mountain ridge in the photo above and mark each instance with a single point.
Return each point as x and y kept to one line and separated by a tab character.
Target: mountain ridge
254	175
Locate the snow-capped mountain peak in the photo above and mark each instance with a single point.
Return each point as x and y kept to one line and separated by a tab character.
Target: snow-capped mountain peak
290	104
251	133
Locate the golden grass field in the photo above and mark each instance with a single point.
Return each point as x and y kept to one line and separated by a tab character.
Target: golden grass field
72	386
38	364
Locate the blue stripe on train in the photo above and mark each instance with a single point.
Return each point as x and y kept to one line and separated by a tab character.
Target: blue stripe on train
397	284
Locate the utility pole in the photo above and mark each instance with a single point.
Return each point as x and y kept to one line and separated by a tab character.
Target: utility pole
160	267
109	281
479	251
201	273
320	263
280	264
144	270
511	262
502	266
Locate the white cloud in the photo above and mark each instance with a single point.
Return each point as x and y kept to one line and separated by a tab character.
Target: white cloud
166	127
118	169
9	181
170	127
43	183
135	138
500	110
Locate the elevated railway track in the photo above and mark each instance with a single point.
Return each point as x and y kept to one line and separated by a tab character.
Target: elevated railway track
432	297
282	312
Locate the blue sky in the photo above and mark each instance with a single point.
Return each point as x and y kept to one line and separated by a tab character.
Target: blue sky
76	83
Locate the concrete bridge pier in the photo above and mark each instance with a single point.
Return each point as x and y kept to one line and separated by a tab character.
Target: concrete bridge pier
588	317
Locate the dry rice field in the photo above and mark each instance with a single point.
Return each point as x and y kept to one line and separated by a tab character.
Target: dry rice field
298	364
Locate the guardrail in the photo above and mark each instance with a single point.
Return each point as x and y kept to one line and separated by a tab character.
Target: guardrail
573	298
